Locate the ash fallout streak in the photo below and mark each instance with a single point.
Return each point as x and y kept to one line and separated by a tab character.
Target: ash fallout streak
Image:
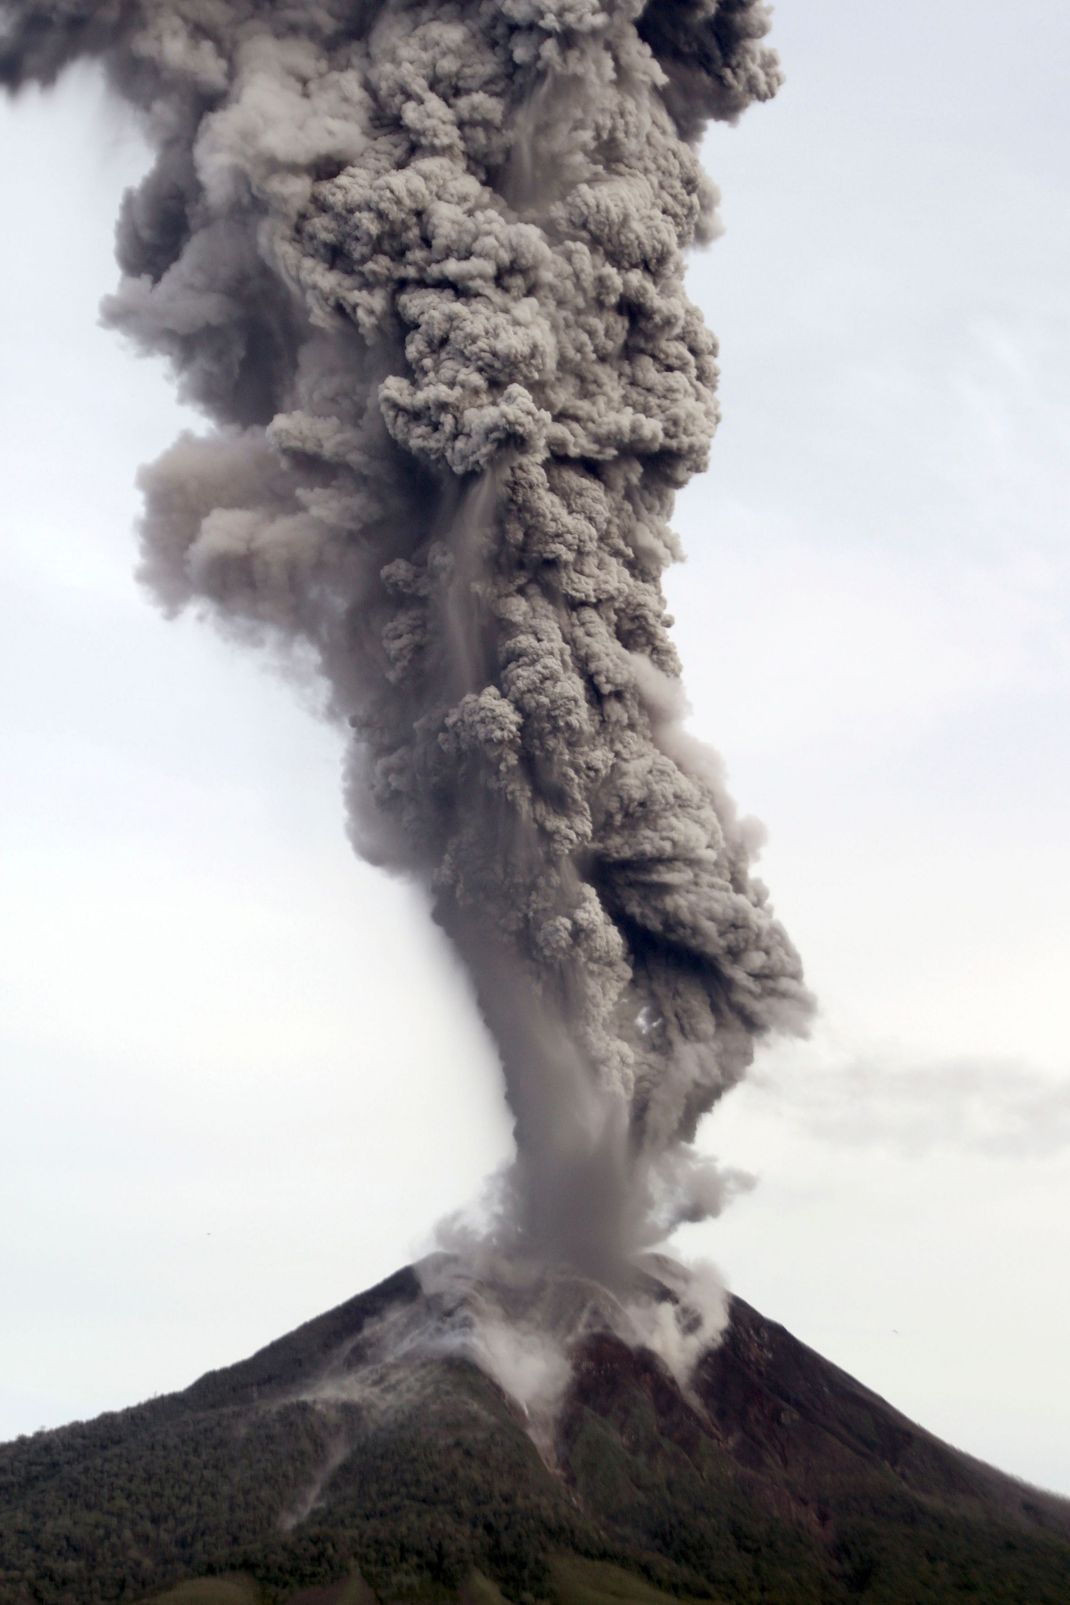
421	266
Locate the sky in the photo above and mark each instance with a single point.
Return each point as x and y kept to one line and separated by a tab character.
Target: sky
242	1076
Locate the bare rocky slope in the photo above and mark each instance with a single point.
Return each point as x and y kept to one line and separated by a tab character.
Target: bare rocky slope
338	1468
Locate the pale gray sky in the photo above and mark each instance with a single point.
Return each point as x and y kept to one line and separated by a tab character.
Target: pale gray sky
241	1078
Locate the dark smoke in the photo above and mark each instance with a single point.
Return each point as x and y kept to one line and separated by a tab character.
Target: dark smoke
421	264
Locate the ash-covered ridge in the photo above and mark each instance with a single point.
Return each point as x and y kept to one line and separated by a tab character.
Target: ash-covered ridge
522	1324
421	265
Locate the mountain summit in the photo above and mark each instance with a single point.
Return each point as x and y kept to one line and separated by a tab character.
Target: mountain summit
440	1439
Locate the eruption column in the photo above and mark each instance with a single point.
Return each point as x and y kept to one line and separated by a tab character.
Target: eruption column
421	266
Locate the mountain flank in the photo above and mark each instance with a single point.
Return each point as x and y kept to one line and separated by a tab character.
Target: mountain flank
367	1458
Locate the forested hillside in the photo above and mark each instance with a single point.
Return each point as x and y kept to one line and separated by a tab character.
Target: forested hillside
778	1479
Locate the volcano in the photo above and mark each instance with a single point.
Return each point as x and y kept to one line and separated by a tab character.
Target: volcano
382	1453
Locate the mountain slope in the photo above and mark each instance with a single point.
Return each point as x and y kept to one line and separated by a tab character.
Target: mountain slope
356	1452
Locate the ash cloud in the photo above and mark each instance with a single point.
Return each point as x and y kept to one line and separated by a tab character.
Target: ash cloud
421	266
521	1323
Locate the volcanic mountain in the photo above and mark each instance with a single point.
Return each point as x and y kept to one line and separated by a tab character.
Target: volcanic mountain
427	1441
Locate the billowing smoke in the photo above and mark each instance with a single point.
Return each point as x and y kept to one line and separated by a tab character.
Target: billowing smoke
520	1322
420	263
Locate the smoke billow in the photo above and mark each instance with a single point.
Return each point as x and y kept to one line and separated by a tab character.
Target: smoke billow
420	263
520	1322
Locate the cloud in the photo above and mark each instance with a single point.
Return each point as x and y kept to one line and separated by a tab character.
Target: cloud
421	267
996	1108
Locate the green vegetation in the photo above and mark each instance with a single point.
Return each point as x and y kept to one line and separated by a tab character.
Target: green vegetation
480	1590
588	1582
574	1581
793	1486
212	1591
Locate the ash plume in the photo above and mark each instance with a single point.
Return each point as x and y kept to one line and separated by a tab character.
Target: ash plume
520	1323
420	263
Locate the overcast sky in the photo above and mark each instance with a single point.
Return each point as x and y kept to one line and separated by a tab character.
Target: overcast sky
241	1077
